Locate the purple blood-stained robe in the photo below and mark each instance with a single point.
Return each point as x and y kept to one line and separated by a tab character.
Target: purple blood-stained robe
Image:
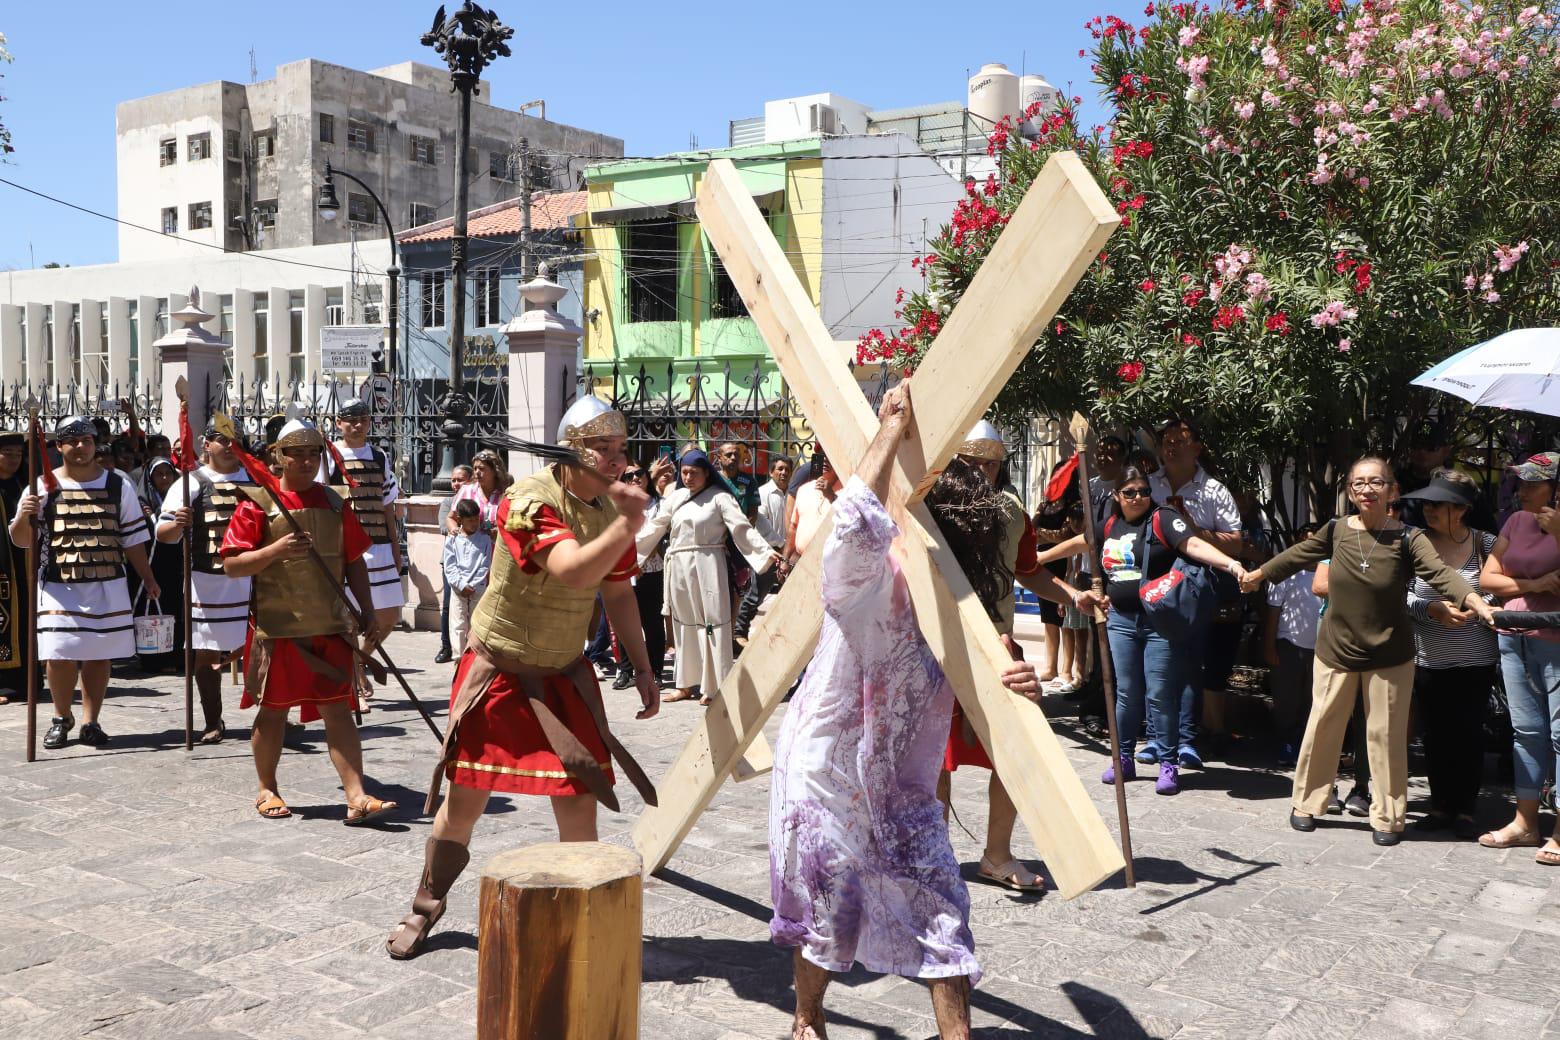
860	865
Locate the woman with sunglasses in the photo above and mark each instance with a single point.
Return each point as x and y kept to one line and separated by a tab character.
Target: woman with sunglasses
1141	543
1364	645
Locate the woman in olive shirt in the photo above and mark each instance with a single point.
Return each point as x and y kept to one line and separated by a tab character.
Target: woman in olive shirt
1365	645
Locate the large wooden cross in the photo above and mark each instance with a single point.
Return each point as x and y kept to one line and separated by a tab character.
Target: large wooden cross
1053	236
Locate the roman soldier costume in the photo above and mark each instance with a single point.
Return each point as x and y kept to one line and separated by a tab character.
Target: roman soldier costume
219	610
375	491
83	598
526	714
13	591
1019	548
298	653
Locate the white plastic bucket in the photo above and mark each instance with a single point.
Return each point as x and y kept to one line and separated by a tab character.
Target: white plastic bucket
154	631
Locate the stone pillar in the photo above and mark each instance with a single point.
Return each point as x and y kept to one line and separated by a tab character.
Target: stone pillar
313	321
119	343
91	342
243	338
543	353
37	362
278	324
13	347
146	339
195	354
425	555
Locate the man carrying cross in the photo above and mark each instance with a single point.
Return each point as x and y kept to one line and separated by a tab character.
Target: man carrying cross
861	869
300	653
219	606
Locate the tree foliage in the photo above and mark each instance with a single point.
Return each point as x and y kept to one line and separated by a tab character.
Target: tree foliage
1318	201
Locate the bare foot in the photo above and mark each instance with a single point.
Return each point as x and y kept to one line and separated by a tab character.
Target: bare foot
809	1030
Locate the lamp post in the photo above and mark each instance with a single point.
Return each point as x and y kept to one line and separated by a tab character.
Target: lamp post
468	40
329	207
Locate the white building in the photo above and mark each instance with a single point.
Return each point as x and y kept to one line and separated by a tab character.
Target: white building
95	325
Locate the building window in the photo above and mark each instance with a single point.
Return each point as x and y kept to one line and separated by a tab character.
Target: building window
485	297
200	215
76	345
135	342
327	128
94	357
162	316
373	297
501	166
335	310
421	214
360	209
230	144
649	250
262	337
295	336
170	220
197	147
725	301
48	345
360	135
265	143
168	151
424	149
225	328
433	299
265	213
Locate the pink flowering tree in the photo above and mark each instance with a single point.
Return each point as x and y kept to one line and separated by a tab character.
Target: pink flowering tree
1319	201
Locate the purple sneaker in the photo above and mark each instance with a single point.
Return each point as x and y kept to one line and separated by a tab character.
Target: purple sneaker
1169	779
1128	771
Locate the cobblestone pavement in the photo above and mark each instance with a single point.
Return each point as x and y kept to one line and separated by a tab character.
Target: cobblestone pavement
143	898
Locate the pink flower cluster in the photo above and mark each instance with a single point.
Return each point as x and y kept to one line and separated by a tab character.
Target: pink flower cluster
1332	314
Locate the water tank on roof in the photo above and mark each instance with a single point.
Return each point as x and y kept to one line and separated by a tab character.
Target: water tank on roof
1032	89
993	95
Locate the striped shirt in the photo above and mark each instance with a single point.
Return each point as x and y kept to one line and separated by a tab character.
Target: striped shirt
1437	646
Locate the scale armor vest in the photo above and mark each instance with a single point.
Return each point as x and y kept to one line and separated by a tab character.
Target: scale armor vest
536	617
83	525
368	498
1014	519
215	501
292	598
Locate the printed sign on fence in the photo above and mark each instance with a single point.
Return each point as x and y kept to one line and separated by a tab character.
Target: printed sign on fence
350	348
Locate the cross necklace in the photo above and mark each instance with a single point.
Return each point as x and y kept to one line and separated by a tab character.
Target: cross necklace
1359	547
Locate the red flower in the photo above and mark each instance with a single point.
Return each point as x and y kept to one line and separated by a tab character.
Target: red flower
1228	317
1191	340
1130	371
1148	285
1362	277
1193	297
1278	323
1061	327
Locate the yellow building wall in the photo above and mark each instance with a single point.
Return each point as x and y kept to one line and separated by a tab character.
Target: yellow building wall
804	233
602	275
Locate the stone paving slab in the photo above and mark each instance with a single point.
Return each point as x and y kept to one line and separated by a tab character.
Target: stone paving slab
146	901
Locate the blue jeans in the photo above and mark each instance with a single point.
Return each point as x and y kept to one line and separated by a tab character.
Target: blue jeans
1148	677
1188	699
1531	669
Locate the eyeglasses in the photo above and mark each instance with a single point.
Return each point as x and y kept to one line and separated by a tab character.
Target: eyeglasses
1134	493
1371	484
633	474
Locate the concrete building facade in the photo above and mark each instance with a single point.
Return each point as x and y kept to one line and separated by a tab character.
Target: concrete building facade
238	166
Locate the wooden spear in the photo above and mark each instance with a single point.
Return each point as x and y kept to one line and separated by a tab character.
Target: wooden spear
186	453
32	581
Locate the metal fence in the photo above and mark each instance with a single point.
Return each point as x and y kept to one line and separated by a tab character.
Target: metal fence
112	403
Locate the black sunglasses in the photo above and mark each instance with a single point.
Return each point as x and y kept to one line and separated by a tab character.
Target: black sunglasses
1135	493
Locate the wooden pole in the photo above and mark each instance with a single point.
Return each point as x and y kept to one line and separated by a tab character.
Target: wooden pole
558	943
187	452
33	462
1082	441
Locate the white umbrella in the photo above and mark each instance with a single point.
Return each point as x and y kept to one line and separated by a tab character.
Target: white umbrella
1519	369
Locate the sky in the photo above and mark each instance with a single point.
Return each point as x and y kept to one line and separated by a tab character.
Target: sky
656	77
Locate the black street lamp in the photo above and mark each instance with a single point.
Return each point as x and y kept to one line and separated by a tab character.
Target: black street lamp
468	40
329	207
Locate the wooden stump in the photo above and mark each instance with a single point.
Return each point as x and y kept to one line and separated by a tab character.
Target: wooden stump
558	949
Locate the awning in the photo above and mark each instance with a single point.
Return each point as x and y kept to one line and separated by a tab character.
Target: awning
771	200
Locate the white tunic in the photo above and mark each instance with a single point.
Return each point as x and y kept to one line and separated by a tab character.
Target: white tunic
384	578
698	595
91	620
219	608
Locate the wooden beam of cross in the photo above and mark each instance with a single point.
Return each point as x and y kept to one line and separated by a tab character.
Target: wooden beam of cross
1050	241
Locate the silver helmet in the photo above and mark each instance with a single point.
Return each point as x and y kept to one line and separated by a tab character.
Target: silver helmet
984	441
588	417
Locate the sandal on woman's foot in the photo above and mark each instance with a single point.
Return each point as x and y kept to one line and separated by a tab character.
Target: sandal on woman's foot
675	696
705	702
370	808
214	734
1505	838
272	807
1547	857
1011	874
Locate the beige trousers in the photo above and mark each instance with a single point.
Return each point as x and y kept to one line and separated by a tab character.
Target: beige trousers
1387	693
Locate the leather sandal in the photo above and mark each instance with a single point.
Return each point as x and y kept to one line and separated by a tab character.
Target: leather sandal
59	729
272	807
442	863
1547	857
1521	840
370	808
214	734
1011	874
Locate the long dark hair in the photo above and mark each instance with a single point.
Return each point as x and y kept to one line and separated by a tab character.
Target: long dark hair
1131	475
969	513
